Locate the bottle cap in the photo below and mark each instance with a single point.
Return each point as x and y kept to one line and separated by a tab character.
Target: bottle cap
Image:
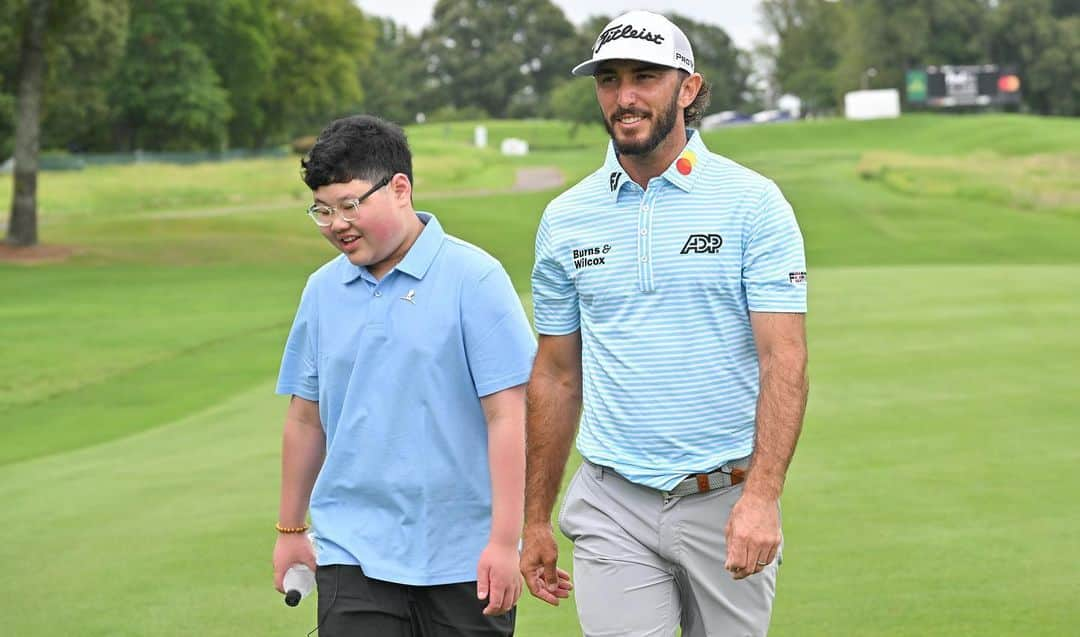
292	597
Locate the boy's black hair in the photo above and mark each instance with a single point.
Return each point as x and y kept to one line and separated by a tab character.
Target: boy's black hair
360	147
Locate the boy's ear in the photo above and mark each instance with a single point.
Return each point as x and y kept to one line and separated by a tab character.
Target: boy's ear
401	187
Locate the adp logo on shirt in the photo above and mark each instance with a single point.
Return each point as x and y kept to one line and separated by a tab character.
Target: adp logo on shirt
702	243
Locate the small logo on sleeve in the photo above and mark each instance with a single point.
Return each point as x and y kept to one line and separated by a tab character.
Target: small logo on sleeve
702	243
797	277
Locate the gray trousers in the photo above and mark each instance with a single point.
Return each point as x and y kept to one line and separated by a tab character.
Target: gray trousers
644	564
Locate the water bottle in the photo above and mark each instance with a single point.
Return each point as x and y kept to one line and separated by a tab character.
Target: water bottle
299	581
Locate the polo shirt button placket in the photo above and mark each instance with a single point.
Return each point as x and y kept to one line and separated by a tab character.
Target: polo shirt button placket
644	245
376	324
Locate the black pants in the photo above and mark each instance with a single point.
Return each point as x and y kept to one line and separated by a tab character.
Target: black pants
354	605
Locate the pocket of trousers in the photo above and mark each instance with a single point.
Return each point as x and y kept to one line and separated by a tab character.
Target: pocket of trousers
571	493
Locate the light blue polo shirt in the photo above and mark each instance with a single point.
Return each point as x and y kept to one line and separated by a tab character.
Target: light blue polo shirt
661	282
398	367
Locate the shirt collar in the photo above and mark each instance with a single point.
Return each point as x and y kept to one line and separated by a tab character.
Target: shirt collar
683	172
416	261
616	175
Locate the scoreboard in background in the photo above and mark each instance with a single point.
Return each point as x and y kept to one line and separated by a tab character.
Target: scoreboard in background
947	86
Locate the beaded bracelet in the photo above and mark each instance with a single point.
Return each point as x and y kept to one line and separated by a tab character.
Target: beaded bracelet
287	529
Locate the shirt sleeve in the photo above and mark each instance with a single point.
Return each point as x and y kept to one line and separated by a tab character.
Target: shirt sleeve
774	261
555	299
499	343
299	373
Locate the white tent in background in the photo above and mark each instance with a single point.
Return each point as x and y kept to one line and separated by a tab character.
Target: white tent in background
879	104
790	104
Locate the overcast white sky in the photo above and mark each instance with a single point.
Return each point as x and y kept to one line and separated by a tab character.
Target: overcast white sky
738	17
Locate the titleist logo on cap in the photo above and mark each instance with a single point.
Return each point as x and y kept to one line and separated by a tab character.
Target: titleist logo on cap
620	31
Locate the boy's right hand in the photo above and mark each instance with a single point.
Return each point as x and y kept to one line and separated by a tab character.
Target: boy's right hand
539	554
290	549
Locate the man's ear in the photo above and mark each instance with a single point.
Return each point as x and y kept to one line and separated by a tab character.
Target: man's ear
689	89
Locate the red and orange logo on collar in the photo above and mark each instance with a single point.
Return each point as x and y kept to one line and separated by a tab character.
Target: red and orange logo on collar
686	162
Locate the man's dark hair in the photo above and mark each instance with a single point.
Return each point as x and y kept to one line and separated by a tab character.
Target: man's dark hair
360	147
693	113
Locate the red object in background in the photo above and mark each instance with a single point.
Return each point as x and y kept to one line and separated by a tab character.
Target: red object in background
1008	84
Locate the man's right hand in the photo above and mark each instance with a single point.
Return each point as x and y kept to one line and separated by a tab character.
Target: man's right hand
540	552
290	549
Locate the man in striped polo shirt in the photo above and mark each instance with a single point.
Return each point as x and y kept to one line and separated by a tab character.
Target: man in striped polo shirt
670	296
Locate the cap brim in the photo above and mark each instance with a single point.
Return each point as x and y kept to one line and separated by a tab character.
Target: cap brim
586	68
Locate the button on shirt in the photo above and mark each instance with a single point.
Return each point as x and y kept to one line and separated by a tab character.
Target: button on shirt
660	281
398	367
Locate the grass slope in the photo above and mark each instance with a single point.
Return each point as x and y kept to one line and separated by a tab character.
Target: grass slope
930	494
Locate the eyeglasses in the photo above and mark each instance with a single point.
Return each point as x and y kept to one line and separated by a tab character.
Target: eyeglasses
323	215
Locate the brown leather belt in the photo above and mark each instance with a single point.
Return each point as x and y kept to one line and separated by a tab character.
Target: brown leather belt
728	474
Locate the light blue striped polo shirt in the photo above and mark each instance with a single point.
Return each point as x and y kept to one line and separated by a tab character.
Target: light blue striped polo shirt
661	282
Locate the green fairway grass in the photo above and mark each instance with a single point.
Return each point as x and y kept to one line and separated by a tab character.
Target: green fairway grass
932	493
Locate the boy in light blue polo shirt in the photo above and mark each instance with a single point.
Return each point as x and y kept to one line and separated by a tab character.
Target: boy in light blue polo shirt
404	436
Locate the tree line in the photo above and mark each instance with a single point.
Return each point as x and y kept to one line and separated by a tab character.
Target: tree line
215	74
212	74
185	74
825	49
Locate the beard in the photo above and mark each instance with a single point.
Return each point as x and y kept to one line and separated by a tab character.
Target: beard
662	126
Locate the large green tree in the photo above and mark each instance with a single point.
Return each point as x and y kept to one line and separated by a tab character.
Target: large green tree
574	101
891	37
237	37
9	52
84	48
805	58
166	93
827	48
1046	50
64	49
1066	8
394	80
958	31
22	228
319	49
206	74
497	56
718	60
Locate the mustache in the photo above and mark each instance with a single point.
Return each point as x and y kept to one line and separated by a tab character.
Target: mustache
628	111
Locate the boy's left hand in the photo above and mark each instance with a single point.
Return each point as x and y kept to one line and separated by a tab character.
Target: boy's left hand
497	578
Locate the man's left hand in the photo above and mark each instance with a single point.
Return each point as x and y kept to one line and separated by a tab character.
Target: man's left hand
498	579
753	535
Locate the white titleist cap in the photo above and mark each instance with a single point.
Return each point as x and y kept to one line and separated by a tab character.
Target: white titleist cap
644	36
